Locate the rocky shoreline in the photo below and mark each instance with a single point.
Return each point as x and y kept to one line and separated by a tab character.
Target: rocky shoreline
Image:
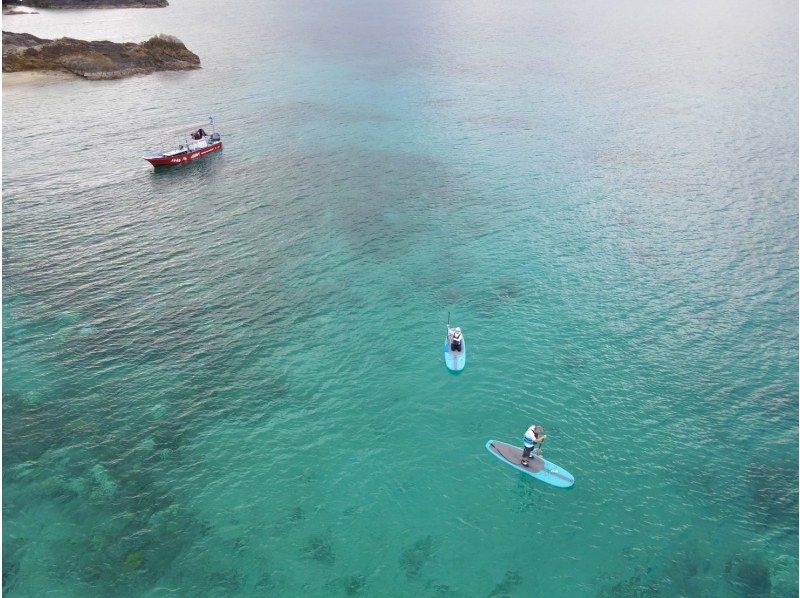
87	4
95	59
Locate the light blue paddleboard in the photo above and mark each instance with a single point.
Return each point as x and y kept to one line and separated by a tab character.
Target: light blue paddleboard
538	468
455	362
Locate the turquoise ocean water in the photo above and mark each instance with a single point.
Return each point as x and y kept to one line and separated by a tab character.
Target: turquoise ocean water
226	379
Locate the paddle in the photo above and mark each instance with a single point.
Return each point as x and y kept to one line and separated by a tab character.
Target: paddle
447	335
538	450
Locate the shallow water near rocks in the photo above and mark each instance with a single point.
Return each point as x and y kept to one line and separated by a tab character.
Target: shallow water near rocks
227	379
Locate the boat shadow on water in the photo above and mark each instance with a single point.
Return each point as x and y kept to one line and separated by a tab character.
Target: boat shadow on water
192	177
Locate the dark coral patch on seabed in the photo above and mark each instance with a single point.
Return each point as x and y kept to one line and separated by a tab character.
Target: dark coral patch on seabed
748	575
774	494
415	557
511	581
353	584
320	550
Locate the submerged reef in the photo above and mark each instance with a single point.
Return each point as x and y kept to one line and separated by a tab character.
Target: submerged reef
415	557
441	590
511	581
95	59
748	576
265	581
697	569
320	550
133	525
230	581
686	569
11	554
105	483
353	584
640	584
774	495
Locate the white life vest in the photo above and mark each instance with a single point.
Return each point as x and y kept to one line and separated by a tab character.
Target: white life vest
529	439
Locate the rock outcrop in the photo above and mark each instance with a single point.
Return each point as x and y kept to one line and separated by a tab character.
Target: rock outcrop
92	3
95	59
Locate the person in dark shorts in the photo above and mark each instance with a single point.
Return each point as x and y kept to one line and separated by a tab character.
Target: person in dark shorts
456	341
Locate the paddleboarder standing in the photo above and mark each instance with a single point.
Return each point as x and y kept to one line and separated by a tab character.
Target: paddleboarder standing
532	441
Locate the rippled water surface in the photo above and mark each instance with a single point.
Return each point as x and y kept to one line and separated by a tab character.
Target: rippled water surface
226	378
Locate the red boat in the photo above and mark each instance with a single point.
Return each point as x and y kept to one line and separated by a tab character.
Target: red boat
199	144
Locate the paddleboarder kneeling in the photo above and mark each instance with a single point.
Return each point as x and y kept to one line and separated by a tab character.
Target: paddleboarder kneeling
456	340
533	439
